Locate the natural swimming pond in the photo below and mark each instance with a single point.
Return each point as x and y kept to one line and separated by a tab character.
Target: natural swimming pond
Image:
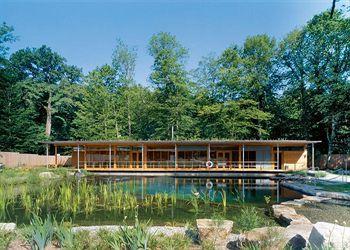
162	200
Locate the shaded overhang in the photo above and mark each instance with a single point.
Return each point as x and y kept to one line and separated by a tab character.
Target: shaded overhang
180	142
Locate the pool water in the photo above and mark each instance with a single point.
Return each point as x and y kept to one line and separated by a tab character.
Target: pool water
182	200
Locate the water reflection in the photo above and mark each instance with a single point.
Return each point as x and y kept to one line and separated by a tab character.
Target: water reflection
248	190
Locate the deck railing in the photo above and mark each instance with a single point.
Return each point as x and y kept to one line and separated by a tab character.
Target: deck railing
193	165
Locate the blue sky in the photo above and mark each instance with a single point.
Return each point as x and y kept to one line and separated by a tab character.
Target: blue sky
84	32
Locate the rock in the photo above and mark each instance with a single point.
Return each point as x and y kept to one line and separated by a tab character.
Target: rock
278	210
214	230
234	241
314	199
334	195
302	229
296	203
271	237
7	226
48	175
95	229
297	242
298	235
325	234
165	230
287	215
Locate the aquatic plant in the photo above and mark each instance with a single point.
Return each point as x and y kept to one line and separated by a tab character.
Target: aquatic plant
65	197
3	202
223	199
159	200
26	201
194	202
173	199
149	199
39	233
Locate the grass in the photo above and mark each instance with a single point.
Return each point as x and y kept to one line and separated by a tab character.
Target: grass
248	219
5	239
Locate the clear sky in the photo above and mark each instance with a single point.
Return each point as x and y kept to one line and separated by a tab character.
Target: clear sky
84	32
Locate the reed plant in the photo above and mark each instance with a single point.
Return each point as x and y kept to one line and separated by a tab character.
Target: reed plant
149	200
159	200
173	199
3	202
223	199
194	202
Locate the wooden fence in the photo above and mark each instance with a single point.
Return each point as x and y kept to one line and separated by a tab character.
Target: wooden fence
15	159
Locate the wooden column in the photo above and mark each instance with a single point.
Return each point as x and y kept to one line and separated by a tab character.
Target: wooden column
114	156
47	155
278	156
56	160
130	156
175	157
243	151
110	156
78	158
208	152
240	157
85	164
144	156
313	157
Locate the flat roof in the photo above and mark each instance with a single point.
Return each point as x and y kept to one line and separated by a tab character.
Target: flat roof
179	142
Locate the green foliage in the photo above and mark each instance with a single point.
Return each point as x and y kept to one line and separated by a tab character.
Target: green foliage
294	88
40	232
5	239
174	242
248	219
136	237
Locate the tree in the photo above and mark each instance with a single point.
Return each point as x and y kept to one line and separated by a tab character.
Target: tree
123	62
98	115
172	87
47	69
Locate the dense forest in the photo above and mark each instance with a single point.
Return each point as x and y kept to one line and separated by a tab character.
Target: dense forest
295	88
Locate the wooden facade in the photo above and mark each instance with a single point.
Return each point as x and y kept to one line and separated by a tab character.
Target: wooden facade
172	156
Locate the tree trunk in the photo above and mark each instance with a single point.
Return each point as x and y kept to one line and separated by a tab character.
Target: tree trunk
48	116
333	7
330	140
129	115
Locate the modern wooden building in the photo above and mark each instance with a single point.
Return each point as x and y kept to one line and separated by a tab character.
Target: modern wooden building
201	155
